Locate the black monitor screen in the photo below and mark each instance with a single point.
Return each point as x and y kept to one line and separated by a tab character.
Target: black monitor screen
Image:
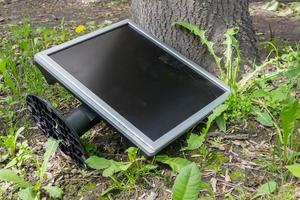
149	87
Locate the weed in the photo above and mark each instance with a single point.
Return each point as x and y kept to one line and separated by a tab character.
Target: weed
124	175
88	145
23	155
28	191
18	77
266	189
289	116
268	96
229	67
9	141
255	94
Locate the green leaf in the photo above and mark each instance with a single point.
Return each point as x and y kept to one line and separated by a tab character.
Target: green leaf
195	141
115	167
271	6
109	190
294	169
54	191
9	82
51	147
96	162
266	189
289	114
188	183
232	48
19	131
3	62
204	40
278	95
259	93
221	122
149	167
132	153
9	175
27	194
176	163
293	72
110	167
216	113
12	163
263	117
6	75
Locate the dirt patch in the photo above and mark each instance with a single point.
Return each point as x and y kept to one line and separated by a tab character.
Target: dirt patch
50	13
267	24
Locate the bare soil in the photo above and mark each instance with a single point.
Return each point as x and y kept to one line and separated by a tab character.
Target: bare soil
284	29
50	13
267	24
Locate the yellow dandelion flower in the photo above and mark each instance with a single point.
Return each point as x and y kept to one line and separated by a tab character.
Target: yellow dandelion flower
80	29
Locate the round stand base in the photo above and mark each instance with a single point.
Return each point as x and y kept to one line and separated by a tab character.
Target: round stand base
53	124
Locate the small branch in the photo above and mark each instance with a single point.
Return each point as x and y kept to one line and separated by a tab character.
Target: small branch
229	136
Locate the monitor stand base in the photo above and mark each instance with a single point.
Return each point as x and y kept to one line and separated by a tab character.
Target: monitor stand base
67	130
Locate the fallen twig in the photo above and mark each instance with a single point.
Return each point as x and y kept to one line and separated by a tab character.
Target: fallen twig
223	135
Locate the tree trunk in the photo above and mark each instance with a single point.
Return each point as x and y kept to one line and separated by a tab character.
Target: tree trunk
214	16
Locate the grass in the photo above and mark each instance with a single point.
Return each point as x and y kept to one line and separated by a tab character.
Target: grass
27	190
266	100
258	95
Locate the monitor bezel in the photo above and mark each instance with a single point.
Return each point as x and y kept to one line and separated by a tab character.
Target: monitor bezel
85	95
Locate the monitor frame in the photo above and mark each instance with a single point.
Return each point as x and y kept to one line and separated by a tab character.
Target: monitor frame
85	95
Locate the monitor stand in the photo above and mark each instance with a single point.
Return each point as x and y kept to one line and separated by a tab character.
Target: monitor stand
67	129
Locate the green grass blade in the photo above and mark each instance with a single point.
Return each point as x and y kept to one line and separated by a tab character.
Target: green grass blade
51	147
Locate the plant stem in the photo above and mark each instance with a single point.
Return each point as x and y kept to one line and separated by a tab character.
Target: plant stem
242	83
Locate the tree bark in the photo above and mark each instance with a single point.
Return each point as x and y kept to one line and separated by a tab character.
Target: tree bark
214	16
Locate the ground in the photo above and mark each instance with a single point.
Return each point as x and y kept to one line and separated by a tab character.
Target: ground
237	160
284	28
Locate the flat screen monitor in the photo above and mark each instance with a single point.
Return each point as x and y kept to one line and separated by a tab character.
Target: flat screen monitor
145	89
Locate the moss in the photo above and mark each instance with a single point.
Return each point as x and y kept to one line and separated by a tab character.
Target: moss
215	160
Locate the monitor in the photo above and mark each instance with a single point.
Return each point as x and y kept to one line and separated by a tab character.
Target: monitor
148	91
